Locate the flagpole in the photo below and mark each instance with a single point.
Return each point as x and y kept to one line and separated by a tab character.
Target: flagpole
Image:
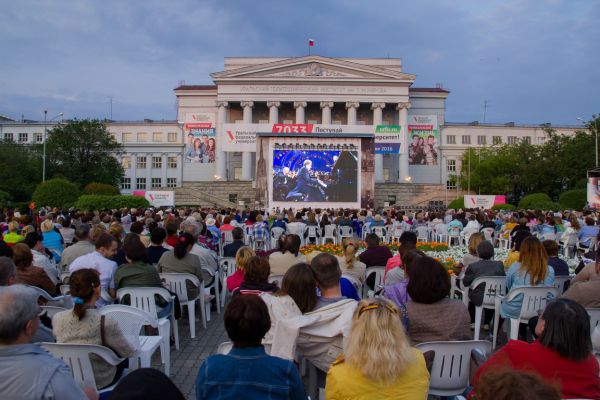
309	47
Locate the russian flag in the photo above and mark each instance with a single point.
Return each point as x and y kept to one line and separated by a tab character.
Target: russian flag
311	43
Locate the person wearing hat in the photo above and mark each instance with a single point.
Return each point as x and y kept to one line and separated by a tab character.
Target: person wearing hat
211	225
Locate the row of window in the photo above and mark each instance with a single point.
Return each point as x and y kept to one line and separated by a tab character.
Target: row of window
143	137
141	162
482	139
24	137
140	183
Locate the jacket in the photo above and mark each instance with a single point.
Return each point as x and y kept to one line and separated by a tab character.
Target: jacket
480	269
28	372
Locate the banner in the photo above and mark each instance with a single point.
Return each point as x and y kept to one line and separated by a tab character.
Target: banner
593	191
483	201
201	143
387	139
423	140
157	198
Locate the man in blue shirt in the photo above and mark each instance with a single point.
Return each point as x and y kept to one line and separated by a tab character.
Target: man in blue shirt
588	232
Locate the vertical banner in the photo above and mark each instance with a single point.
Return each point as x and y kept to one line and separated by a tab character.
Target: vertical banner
201	143
387	139
593	190
423	140
367	172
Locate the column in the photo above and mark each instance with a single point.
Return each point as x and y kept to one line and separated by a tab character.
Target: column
163	170
326	107
273	111
133	172
403	118
247	156
300	107
149	170
221	156
352	107
378	120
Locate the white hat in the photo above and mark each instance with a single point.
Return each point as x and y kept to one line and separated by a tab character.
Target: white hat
210	221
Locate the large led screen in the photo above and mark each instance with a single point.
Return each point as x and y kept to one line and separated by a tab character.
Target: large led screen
315	175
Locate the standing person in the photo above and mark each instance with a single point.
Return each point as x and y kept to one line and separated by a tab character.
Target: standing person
378	361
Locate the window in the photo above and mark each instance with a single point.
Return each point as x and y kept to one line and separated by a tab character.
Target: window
126	183
512	139
171	182
233	198
127	136
126	162
140	183
172	137
451	165
8	136
156	182
141	162
481	139
450	139
39	137
237	173
450	184
157	137
23	137
496	139
527	139
172	162
156	162
142	137
386	174
541	140
466	139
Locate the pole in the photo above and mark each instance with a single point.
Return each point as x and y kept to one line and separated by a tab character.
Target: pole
596	132
44	155
469	178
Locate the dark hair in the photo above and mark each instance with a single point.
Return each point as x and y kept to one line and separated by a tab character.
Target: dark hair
247	320
146	384
5	250
292	244
82	232
567	329
171	228
519	237
137	227
281	242
158	235
134	248
551	247
485	250
327	270
429	282
409	256
32	238
22	256
257	270
372	240
408	237
8	270
83	284
299	283
183	241
511	384
105	240
237	233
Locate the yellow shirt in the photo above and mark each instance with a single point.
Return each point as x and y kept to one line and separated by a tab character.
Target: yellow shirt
511	258
346	382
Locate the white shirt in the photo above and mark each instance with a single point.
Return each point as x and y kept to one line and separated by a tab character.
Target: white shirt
40	260
103	265
208	258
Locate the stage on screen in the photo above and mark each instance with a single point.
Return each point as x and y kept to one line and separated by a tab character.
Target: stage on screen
315	176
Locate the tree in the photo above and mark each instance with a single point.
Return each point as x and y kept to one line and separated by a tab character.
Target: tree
21	170
84	152
56	193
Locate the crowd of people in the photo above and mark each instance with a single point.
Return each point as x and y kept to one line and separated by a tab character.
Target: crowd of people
287	306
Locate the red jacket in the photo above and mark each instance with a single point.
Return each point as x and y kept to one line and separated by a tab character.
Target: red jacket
577	379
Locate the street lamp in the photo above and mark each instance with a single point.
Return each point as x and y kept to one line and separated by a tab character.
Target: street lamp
595	130
45	136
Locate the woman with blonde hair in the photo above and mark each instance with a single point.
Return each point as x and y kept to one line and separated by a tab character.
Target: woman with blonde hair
243	255
379	361
349	263
53	241
12	236
471	256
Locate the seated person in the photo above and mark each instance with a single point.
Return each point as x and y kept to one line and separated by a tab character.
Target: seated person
28	274
256	277
388	367
146	384
510	385
395	266
247	371
350	265
289	255
181	260
513	254
561	268
375	255
298	287
586	293
230	249
327	274
156	248
398	292
242	257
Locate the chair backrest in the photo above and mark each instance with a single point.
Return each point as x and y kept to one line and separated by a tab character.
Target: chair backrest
330	230
76	356
346	230
594	314
227	237
534	298
313	231
64	277
494	285
379	272
227	266
130	320
276	232
451	364
488	233
276	279
379	231
248	230
455	231
560	282
441	229
59	301
422	232
224	348
296	230
177	283
469	232
50	311
143	297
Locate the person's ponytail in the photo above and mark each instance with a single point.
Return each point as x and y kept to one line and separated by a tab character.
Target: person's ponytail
83	284
350	255
183	242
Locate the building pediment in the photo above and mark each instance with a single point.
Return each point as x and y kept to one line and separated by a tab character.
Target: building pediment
312	68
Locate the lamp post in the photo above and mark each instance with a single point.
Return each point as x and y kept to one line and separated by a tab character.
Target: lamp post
594	129
45	136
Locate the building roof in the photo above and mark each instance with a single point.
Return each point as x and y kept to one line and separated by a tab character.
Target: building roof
196	87
428	90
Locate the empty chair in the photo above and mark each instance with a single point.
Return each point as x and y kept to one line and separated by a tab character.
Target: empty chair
345	232
177	283
396	233
227	268
330	234
488	233
378	271
313	234
423	234
441	232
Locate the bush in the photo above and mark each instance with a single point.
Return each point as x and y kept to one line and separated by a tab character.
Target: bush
573	199
457	203
534	201
91	202
100	188
55	193
507	207
5	198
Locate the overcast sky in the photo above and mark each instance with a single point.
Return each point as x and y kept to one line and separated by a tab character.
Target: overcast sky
534	61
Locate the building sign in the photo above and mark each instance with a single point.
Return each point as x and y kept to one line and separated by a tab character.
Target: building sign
423	140
483	201
157	198
201	143
387	139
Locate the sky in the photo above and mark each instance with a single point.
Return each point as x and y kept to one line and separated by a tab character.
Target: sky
534	61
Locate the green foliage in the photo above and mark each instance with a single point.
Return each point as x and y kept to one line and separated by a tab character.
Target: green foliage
457	203
102	202
532	200
56	193
83	152
5	198
100	188
573	199
21	169
507	207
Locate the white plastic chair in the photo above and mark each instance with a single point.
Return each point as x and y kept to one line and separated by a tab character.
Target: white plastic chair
276	279
143	298
227	268
226	238
177	283
451	364
441	233
59	301
534	298
275	234
366	229
488	233
50	311
131	320
330	234
297	230
560	283
345	232
378	271
224	348
396	233
466	234
248	234
423	234
214	285
64	277
380	232
494	285
454	234
356	283
77	357
313	232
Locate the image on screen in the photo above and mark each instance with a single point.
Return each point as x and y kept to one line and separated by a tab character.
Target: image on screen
315	175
